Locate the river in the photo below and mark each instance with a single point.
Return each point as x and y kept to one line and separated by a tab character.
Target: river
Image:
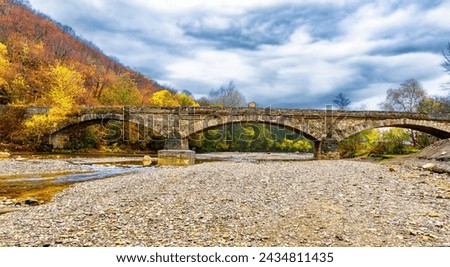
35	179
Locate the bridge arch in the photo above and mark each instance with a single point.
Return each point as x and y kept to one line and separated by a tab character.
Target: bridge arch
57	137
435	128
213	122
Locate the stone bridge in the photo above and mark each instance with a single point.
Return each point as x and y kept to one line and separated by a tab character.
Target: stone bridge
324	127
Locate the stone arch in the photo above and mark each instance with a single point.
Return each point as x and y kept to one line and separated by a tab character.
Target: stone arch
57	138
435	128
293	124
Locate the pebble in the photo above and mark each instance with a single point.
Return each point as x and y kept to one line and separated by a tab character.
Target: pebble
312	203
31	166
428	166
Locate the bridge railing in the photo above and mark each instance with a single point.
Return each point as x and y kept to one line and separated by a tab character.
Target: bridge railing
246	110
264	111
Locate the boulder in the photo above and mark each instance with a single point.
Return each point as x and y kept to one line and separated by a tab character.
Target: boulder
147	160
31	202
428	166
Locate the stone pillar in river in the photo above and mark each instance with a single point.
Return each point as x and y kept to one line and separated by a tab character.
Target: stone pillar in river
326	149
58	140
176	152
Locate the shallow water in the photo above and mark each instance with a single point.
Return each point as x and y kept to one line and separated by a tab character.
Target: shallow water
42	187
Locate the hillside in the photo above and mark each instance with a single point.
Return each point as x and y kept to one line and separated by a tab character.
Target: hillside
32	45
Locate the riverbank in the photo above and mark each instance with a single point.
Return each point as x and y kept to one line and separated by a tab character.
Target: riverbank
310	203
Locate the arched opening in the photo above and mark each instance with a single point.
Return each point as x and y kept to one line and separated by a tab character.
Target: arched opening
109	134
437	129
389	141
251	136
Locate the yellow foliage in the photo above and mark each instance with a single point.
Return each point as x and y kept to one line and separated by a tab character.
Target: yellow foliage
123	91
66	86
19	88
40	124
299	145
165	98
4	65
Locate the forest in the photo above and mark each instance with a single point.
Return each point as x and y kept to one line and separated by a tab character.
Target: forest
44	63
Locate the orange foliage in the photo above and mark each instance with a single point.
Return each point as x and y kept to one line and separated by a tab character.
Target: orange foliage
35	44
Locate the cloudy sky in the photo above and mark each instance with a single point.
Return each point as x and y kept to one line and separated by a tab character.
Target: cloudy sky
283	53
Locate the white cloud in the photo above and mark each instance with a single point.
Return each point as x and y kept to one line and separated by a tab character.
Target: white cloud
377	20
371	97
437	17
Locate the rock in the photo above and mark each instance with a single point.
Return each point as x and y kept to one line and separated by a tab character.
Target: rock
412	232
31	202
147	160
428	166
433	214
19	158
4	155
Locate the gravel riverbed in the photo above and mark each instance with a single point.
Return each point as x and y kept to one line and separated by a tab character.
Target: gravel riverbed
38	166
312	203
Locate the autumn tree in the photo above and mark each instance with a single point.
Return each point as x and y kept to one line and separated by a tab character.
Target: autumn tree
20	90
5	96
435	105
123	91
165	98
405	98
65	89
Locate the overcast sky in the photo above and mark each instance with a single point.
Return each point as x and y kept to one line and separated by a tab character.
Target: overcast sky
283	53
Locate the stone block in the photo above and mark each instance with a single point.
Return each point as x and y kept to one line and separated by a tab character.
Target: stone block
176	157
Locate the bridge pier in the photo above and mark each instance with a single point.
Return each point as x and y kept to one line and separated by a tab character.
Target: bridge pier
176	153
326	149
58	140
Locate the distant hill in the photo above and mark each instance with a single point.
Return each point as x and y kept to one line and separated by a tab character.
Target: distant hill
31	44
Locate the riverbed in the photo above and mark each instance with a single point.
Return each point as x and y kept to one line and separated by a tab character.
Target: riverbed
33	179
244	203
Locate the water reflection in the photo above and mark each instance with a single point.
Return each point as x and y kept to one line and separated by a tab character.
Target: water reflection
42	187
